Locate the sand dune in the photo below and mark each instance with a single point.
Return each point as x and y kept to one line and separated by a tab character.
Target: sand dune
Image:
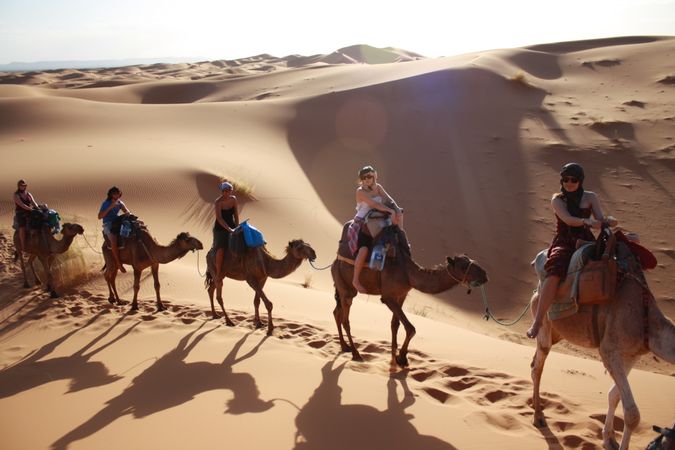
470	146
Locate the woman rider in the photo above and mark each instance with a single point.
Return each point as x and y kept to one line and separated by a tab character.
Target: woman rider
24	204
573	208
227	219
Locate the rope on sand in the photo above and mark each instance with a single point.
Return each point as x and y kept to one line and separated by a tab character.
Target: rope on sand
488	315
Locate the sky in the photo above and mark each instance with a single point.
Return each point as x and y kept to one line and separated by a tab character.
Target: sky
51	30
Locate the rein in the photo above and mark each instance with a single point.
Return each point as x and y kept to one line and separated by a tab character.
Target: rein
199	271
463	281
488	315
319	268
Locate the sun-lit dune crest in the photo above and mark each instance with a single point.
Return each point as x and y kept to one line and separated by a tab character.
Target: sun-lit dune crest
365	54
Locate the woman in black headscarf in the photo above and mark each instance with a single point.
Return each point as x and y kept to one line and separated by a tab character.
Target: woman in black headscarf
576	212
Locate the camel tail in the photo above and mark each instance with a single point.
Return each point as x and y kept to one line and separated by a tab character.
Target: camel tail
337	297
661	334
16	255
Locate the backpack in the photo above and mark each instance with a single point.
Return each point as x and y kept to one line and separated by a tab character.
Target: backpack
252	236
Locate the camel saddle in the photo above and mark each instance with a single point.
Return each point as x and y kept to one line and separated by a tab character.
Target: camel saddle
389	236
126	228
592	276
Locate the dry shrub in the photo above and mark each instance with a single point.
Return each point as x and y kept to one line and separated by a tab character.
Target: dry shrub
68	269
521	79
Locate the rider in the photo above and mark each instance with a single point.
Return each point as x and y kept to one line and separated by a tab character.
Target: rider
110	208
369	195
24	204
227	219
572	207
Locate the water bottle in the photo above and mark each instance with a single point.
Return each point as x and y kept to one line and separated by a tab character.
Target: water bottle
377	258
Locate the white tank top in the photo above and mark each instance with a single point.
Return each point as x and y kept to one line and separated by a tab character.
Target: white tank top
362	208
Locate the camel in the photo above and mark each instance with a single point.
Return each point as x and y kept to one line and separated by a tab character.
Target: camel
628	326
254	267
143	252
41	244
400	274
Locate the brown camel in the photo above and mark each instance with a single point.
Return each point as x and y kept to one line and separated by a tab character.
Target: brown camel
42	245
628	326
392	284
254	267
143	252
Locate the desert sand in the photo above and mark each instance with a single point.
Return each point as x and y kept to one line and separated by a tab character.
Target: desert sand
469	145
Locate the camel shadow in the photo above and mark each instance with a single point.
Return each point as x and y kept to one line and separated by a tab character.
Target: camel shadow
324	423
32	371
170	382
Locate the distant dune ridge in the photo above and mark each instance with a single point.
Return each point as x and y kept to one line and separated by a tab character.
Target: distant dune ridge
469	145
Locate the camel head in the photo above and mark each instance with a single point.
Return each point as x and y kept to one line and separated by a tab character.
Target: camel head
301	250
71	229
466	271
187	242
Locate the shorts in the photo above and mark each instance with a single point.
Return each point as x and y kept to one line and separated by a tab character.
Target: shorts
20	219
107	229
365	241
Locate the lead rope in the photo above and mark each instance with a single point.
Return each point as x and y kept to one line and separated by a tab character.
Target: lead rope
199	271
488	315
320	268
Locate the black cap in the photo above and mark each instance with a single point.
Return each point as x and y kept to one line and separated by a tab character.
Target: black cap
573	170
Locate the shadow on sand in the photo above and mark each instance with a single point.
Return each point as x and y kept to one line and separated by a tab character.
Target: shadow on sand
324	423
163	385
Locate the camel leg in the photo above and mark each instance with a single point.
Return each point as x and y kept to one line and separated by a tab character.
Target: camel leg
19	255
337	315
219	297
155	276
395	325
211	288
257	323
269	306
395	307
110	275
346	307
544	344
47	265
137	286
30	261
619	368
259	294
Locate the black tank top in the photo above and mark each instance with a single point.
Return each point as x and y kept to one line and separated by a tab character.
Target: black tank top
25	200
228	217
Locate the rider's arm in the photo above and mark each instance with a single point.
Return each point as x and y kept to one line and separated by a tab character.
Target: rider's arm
560	210
361	196
124	207
388	198
597	211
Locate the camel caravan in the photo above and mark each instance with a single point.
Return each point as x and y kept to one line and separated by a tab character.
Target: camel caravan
592	291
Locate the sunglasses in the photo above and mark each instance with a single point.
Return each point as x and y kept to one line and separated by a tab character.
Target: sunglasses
570	180
367	177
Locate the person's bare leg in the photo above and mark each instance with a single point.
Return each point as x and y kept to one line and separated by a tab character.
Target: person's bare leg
358	266
116	252
546	297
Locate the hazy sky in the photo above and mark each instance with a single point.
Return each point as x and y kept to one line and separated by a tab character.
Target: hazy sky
46	30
